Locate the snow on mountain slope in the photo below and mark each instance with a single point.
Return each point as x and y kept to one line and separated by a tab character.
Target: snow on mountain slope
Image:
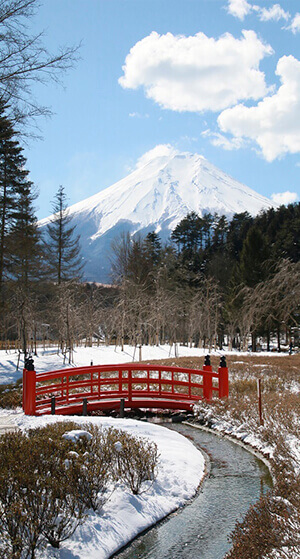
164	187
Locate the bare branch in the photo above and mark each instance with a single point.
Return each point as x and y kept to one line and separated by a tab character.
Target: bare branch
24	61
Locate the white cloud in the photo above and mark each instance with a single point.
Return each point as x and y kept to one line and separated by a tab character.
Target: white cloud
242	8
274	124
189	139
138	115
219	140
239	8
285	198
295	25
275	13
161	150
197	73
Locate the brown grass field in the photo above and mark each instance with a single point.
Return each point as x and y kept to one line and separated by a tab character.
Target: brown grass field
271	528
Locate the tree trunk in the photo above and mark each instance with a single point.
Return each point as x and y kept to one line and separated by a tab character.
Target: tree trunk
278	338
268	340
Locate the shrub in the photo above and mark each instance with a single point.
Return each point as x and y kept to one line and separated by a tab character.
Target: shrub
11	395
47	481
17	481
136	461
94	457
59	477
258	533
38	493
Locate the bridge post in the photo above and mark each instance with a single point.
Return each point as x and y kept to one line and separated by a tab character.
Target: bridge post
24	388
129	385
52	405
122	407
84	406
207	379
29	388
223	379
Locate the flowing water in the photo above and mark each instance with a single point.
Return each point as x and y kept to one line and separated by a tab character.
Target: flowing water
200	530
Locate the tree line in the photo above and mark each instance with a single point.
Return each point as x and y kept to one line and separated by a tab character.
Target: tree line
217	280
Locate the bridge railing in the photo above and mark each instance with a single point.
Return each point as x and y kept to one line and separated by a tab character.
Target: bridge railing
103	386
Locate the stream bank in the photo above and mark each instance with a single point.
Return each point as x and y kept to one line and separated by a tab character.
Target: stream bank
200	530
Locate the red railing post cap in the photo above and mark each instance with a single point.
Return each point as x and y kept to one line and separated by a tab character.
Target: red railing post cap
29	364
223	361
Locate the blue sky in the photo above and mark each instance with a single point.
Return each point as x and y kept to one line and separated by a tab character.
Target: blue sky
215	77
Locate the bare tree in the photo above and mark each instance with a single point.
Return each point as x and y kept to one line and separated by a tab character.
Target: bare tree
205	312
24	60
275	303
66	316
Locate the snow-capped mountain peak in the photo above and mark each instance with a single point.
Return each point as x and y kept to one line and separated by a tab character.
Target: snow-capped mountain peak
164	187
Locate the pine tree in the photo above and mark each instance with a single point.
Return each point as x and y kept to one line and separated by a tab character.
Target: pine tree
152	248
15	196
62	249
237	232
19	238
24	239
253	258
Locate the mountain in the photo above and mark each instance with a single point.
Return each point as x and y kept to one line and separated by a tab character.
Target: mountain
162	190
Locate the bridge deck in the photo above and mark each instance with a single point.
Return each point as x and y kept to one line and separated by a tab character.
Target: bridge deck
114	404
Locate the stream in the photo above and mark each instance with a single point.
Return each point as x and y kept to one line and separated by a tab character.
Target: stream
201	529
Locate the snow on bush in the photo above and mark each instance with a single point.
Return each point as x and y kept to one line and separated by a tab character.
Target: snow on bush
51	476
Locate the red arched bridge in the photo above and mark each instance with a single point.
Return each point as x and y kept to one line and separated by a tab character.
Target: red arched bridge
107	387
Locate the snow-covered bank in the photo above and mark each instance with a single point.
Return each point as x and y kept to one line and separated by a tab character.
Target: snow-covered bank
49	360
181	469
277	439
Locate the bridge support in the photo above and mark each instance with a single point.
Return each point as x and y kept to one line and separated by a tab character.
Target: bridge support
52	405
207	380
29	388
122	407
223	379
84	406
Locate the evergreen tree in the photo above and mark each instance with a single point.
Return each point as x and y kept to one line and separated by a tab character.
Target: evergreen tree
253	258
24	239
62	249
220	229
189	237
237	232
188	233
15	201
152	248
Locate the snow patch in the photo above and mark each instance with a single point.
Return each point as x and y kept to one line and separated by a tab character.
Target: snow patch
124	516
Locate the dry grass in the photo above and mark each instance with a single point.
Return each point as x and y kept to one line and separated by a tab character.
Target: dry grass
271	527
280	377
11	395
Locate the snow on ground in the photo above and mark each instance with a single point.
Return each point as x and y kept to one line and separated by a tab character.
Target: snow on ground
49	360
181	469
243	434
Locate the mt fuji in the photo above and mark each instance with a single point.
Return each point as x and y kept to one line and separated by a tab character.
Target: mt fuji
165	186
